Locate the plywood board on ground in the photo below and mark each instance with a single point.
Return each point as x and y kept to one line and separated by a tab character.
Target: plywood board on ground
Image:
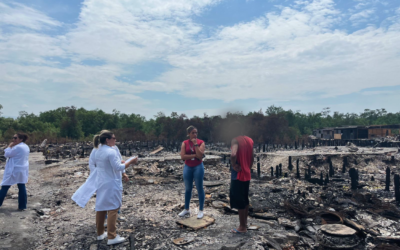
195	223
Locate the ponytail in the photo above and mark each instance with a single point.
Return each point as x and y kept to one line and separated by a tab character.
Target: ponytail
101	137
96	141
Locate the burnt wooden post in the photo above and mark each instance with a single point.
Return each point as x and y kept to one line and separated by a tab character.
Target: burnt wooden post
321	179
277	171
297	169
263	147
258	170
280	169
305	174
327	179
295	144
372	178
354	178
290	164
344	165
387	179
331	170
397	187
272	171
392	159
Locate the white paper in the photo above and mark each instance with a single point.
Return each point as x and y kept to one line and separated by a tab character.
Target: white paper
131	158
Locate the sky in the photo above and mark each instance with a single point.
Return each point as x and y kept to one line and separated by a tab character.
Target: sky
199	56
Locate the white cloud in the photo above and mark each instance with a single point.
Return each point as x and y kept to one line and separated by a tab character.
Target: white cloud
362	16
135	31
20	15
287	56
296	54
29	47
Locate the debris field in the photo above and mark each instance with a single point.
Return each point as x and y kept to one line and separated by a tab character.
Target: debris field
316	198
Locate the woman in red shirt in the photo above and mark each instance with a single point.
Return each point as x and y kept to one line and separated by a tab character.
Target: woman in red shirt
192	151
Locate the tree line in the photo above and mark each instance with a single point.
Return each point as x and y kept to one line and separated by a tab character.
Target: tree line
274	125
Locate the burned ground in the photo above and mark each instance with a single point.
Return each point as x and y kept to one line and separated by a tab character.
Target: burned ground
290	212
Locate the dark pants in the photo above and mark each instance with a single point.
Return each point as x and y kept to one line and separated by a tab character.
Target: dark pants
22	196
239	194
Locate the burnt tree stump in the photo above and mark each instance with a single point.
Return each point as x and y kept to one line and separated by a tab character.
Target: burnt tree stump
290	164
354	178
397	187
387	179
331	170
344	165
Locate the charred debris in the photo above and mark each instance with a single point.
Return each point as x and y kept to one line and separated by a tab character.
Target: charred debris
319	194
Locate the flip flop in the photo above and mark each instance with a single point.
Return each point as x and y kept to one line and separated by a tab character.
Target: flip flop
235	231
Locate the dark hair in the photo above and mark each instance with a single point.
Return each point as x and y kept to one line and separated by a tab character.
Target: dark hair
22	137
190	129
101	137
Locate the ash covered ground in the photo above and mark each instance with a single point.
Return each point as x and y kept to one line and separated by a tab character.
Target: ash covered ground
286	212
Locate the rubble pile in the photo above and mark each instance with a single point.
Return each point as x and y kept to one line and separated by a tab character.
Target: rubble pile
316	206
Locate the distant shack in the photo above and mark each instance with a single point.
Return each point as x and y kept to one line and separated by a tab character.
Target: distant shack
356	132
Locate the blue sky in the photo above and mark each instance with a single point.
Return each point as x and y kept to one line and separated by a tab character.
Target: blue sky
199	56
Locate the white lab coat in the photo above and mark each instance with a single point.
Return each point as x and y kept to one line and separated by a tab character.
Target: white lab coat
86	191
17	166
119	155
108	180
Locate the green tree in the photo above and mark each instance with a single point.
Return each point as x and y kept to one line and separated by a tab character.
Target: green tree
70	126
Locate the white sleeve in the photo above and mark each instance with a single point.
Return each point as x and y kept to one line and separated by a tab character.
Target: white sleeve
115	161
92	157
11	152
119	153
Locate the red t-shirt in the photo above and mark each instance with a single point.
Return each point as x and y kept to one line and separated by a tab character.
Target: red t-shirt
190	150
244	158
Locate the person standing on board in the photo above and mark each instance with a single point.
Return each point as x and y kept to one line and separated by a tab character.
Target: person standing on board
192	151
242	158
16	170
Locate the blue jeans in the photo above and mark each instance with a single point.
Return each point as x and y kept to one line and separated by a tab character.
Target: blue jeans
22	196
196	173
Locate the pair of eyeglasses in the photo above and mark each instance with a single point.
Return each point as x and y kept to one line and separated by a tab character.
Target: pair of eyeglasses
15	138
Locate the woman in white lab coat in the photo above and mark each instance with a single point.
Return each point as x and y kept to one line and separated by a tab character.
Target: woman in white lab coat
86	191
16	170
109	186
